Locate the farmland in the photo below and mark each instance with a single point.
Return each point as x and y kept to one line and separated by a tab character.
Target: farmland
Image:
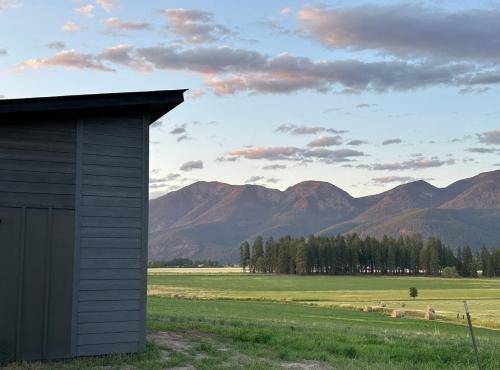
224	319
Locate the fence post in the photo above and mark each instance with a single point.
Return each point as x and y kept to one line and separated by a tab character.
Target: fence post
474	344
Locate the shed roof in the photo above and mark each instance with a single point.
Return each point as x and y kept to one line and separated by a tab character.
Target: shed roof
157	103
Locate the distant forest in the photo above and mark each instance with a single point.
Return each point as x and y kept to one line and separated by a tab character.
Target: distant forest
183	262
353	255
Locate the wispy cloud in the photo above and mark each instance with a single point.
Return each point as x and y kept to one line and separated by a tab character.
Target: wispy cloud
323	141
356	142
86	10
107	5
72	27
296	154
56	45
490	137
274	167
306	130
254	179
67	59
390	179
413	164
392	141
195	26
191	165
115	25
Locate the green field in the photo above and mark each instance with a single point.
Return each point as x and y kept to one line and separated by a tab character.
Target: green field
223	319
444	295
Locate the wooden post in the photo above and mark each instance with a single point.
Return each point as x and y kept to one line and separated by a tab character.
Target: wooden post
474	344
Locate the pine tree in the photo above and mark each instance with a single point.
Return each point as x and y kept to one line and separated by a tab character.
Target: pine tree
257	254
244	255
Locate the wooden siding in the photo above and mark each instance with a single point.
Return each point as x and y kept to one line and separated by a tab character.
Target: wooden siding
112	163
37	163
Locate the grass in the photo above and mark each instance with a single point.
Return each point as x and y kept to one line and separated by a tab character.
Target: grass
280	333
222	319
444	295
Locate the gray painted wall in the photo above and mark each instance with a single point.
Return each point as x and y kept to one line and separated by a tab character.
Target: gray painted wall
111	229
37	164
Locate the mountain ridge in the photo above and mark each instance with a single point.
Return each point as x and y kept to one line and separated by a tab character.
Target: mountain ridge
210	219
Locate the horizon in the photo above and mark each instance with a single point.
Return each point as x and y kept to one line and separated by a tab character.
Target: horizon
326	182
279	93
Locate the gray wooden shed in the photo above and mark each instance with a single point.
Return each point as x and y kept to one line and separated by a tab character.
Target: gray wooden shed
73	223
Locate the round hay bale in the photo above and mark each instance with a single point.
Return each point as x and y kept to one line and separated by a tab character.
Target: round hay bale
397	313
367	309
430	315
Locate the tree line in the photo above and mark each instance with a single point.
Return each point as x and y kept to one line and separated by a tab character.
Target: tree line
352	255
183	262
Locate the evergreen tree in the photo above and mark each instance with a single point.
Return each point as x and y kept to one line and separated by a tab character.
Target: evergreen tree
244	255
257	254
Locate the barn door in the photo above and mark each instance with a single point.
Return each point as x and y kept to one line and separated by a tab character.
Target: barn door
36	277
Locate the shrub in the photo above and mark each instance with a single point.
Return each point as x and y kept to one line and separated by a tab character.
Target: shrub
450	272
413	292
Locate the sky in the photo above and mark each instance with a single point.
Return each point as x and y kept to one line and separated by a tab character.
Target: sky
365	95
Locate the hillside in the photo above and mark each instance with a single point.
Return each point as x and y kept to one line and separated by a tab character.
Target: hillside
211	219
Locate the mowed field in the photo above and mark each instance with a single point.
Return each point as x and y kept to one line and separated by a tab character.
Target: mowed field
315	322
224	319
444	295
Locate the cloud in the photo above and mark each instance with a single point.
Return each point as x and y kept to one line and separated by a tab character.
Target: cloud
178	130
3	52
272	180
195	26
329	110
474	90
392	141
306	130
226	159
254	179
413	164
490	137
229	71
56	45
121	54
286	10
389	179
325	141
406	30
67	59
72	27
183	138
274	167
481	150
116	24
364	105
107	5
356	142
191	165
168	178
295	154
8	4
86	10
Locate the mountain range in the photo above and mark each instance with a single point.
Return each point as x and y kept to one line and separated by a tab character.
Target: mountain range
209	220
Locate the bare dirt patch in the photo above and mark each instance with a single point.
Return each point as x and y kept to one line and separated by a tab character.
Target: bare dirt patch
306	365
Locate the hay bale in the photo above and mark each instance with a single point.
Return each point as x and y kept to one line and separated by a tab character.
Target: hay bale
397	313
382	304
367	309
430	313
403	305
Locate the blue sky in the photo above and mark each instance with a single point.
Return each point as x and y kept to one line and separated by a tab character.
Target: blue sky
363	94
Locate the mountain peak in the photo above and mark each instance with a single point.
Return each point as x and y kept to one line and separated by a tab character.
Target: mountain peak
211	219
